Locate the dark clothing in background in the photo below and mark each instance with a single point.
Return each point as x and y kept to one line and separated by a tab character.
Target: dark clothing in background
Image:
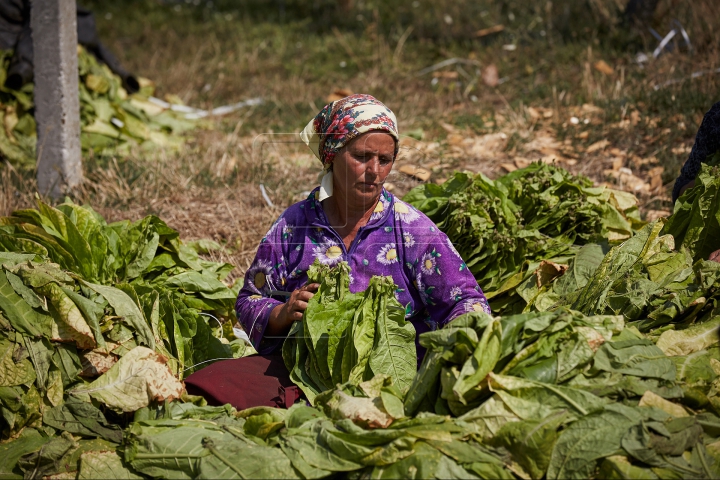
16	35
707	142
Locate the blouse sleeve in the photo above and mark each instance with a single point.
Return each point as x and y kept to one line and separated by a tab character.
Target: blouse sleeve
266	273
707	142
445	284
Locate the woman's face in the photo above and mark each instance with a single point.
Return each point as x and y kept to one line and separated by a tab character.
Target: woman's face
361	167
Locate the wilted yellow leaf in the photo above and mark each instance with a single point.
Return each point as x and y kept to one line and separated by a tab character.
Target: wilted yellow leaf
597	146
141	376
603	67
414	171
650	399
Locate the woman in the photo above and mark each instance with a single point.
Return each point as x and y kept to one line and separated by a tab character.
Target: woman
707	142
351	217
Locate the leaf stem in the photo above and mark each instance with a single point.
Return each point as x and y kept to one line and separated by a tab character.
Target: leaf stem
225	461
151	456
566	398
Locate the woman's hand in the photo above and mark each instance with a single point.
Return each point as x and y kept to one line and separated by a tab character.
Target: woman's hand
715	256
284	315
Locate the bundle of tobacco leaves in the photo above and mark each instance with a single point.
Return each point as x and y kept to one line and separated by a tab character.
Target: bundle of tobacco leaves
337	440
695	223
349	337
616	375
101	319
550	347
111	120
528	221
650	283
570	396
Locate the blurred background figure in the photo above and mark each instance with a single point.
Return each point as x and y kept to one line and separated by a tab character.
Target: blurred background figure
16	35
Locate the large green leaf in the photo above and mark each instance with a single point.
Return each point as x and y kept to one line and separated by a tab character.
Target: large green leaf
26	293
482	362
236	459
394	344
126	308
592	438
49	459
40	353
204	285
531	442
638	357
59	225
82	418
154	450
92	312
19	313
319	456
104	465
29	441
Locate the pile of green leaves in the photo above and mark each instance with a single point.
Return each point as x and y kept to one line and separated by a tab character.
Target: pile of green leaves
695	223
98	320
549	347
146	253
651	284
601	419
110	118
305	442
614	374
504	229
570	396
349	337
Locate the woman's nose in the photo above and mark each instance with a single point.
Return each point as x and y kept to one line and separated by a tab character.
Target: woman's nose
373	166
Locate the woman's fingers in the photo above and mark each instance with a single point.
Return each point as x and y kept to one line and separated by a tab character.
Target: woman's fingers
298	302
715	256
305	296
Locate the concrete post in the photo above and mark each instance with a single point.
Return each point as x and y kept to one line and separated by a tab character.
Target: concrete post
57	107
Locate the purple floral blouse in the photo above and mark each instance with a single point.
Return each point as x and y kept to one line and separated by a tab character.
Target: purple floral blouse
433	282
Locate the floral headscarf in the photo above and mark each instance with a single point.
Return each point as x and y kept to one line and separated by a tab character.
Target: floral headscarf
341	121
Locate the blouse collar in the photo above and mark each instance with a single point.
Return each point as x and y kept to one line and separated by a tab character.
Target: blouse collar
316	215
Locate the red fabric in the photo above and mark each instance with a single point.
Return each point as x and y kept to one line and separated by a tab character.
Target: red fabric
245	382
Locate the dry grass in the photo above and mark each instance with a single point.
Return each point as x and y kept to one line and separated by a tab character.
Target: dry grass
214	56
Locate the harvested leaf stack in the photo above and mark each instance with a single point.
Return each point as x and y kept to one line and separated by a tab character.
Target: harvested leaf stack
523	228
109	117
349	337
617	377
695	223
99	316
305	442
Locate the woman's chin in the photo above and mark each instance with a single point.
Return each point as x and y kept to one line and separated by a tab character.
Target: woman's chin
367	192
